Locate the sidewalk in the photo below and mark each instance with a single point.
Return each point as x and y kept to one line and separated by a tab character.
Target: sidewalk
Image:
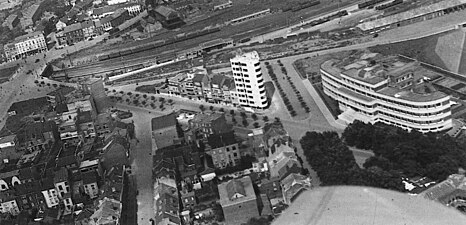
322	107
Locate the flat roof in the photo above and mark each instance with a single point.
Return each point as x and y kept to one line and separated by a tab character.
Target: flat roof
351	205
389	72
423	10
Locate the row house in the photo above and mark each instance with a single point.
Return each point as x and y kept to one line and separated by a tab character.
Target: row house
133	9
293	185
73	33
199	86
166	202
224	150
205	124
8	203
26	45
29	196
36	136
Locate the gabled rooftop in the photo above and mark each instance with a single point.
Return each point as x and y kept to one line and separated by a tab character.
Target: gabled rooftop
236	191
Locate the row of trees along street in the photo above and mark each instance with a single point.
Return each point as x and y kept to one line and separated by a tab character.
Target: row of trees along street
398	154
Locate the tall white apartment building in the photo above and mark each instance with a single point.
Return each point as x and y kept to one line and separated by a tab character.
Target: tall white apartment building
249	81
374	88
26	45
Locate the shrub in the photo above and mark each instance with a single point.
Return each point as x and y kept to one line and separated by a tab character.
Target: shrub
232	112
211	108
202	108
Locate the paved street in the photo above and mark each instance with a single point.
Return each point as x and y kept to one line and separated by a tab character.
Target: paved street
142	160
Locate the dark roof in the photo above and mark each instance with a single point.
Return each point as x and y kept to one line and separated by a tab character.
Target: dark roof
89	177
218	80
166	11
221	140
87	24
27	188
28	173
62	90
61	108
67	160
84	117
164	121
47	184
35	130
235	187
25	106
198	78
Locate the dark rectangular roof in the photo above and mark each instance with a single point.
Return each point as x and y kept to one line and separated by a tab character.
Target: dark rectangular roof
221	140
84	117
164	121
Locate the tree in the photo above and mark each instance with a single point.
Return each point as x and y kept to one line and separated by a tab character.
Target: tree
277	120
245	122
161	99
221	110
129	93
265	118
243	114
232	112
256	125
254	116
202	108
211	108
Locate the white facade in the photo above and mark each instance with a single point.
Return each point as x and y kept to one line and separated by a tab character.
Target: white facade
92	190
114	2
9	207
63	188
51	197
382	102
249	81
26	45
133	9
7	141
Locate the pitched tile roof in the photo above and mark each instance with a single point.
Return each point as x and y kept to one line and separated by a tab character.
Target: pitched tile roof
235	187
72	27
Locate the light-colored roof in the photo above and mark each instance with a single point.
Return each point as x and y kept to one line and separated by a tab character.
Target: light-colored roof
378	70
109	212
351	205
410	14
88	163
242	186
248	56
8	138
72	27
445	188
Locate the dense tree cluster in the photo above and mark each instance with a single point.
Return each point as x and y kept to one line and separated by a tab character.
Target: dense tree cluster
409	153
334	163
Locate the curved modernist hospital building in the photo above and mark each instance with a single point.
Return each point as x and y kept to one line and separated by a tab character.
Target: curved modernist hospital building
374	88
